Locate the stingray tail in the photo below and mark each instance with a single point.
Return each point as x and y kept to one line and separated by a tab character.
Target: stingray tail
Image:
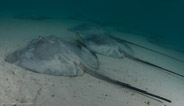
143	92
149	49
148	63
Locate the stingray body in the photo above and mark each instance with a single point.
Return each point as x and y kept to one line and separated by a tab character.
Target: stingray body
51	55
105	45
99	41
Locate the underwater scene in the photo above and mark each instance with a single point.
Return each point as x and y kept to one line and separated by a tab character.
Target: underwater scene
91	53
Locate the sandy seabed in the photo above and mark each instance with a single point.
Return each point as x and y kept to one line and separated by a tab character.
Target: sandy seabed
20	87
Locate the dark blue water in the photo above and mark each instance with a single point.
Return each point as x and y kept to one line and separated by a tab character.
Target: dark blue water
160	19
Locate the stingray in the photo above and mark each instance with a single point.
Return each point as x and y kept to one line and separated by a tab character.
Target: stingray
101	42
105	45
96	29
98	40
51	55
54	56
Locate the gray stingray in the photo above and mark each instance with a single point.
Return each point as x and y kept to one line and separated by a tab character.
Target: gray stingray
98	40
105	45
54	56
51	55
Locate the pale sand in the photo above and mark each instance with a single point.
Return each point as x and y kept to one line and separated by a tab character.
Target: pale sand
19	86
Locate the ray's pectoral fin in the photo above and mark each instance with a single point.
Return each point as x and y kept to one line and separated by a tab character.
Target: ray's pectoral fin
13	57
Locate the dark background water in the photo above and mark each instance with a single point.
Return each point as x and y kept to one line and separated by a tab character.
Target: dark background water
159	18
